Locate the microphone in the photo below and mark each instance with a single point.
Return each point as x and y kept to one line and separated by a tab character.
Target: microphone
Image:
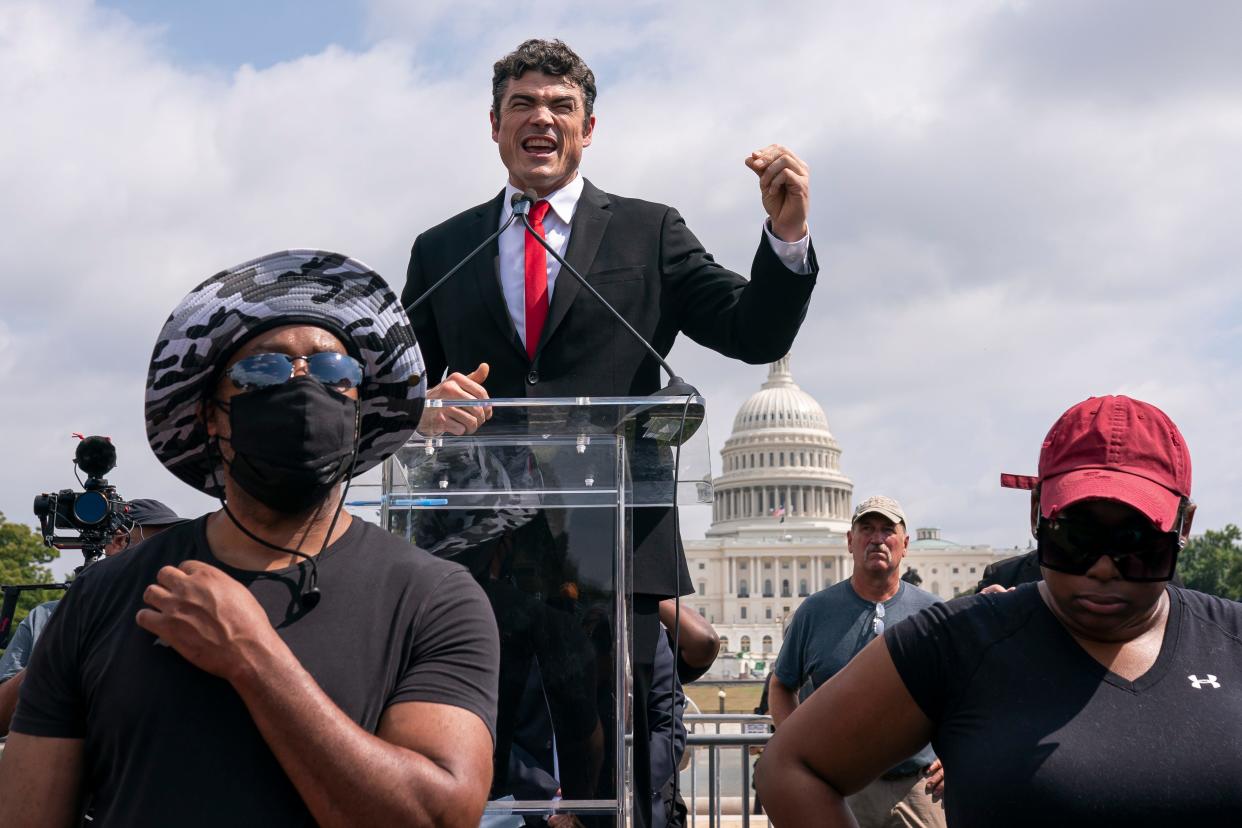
673	424
523	201
515	201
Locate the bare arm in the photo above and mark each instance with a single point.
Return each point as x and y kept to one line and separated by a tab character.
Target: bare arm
8	699
781	700
40	781
698	640
850	730
428	765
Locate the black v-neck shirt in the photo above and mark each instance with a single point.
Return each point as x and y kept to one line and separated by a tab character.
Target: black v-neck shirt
1033	731
168	744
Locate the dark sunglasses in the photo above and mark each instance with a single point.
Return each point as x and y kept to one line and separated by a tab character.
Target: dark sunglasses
1139	550
337	371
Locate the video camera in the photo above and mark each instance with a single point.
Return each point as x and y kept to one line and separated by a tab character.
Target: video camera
95	513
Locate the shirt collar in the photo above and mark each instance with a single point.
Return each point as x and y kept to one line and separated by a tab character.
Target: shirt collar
563	202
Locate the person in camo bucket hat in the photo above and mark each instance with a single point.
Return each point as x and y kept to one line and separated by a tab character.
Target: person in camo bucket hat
313	287
324	670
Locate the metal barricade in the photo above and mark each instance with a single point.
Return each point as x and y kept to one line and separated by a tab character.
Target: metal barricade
722	736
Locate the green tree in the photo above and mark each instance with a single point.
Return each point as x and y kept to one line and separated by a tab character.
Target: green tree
22	561
1212	563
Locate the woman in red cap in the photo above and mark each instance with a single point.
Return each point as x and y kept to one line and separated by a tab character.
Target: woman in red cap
1102	696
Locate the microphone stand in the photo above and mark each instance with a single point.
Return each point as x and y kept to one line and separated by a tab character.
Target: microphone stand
677	387
469	256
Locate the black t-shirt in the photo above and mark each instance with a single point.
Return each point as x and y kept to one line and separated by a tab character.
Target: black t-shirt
1034	731
168	744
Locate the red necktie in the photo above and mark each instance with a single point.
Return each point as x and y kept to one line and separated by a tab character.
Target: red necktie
536	281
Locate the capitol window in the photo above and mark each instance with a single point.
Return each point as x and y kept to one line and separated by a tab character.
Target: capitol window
746	643
767	643
785	588
743	589
767	613
724	644
767	587
743	616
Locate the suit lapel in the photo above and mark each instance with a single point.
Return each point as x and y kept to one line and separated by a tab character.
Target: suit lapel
486	270
586	233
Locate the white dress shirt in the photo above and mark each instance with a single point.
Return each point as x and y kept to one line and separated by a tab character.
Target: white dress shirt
556	226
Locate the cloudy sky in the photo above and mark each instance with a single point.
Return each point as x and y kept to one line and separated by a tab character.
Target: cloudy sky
1016	204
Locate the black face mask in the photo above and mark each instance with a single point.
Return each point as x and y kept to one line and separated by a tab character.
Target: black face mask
292	443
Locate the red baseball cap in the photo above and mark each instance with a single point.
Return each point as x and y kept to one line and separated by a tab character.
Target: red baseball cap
1112	448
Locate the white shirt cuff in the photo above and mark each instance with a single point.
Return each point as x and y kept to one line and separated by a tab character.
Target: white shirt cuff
794	255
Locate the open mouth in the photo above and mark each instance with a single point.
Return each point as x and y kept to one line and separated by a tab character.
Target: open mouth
539	145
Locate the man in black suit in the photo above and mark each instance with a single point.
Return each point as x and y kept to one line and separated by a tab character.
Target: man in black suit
512	320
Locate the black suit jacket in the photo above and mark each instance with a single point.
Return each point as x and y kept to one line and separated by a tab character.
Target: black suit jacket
644	260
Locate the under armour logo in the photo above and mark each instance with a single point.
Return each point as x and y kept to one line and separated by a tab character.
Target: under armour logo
1198	683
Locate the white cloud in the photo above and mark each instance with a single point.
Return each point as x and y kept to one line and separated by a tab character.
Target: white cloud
1013	208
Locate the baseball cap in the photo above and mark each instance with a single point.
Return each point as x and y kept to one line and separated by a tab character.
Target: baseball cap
1112	448
881	505
147	512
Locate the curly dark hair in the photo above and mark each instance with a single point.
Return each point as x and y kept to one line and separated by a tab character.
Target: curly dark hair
551	57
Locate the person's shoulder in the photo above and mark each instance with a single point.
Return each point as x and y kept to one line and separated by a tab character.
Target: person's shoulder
396	557
454	224
980	619
1221	613
45	609
830	595
623	204
139	562
1012	571
919	597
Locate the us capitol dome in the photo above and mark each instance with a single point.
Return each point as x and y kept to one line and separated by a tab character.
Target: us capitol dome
781	509
781	461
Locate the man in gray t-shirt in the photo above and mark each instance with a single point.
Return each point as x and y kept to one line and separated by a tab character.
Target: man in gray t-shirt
833	625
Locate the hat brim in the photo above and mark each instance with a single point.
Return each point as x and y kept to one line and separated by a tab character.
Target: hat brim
1159	504
895	517
313	287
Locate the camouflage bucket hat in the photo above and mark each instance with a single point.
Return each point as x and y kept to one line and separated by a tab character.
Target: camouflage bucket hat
289	287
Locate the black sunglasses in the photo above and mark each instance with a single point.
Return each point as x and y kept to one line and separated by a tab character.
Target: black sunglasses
338	371
1139	550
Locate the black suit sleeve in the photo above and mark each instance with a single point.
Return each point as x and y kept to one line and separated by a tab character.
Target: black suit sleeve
422	318
754	321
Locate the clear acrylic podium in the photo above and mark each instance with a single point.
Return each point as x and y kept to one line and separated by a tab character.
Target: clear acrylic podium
538	506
